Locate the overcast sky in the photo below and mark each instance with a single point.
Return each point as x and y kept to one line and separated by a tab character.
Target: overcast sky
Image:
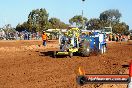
16	11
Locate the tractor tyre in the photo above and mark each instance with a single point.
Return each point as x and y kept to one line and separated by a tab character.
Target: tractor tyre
85	49
54	54
70	54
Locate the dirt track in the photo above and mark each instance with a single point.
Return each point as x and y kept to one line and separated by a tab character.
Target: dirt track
27	64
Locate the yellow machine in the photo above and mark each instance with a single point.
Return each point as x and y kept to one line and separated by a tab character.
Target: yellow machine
68	42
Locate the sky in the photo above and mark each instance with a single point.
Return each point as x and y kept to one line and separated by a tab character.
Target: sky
16	11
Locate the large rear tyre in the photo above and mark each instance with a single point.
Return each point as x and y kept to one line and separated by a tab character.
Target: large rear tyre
85	49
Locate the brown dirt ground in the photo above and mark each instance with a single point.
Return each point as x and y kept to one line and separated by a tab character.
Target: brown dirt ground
27	64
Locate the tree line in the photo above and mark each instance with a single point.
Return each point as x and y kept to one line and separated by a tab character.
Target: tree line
39	20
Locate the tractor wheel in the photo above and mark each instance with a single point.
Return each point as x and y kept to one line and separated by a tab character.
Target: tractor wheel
85	49
103	50
54	54
81	80
70	54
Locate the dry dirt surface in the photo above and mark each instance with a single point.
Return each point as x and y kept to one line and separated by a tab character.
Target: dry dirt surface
28	64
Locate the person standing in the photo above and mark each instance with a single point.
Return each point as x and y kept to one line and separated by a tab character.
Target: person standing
117	38
110	37
44	38
128	37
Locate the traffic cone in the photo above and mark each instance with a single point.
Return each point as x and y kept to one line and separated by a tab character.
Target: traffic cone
81	71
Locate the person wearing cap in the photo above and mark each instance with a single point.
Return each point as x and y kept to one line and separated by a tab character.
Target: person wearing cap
44	38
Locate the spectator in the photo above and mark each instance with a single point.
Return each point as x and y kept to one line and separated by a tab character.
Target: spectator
117	38
44	38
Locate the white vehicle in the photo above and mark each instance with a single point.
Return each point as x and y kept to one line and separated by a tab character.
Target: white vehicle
107	30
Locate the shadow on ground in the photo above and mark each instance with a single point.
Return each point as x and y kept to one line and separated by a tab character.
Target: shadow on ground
48	53
51	54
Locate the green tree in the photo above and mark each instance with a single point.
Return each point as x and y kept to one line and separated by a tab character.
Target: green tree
63	25
9	29
38	20
22	27
94	23
56	23
112	15
49	25
121	28
78	20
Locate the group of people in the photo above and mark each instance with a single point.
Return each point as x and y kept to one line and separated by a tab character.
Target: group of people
24	36
27	36
118	37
